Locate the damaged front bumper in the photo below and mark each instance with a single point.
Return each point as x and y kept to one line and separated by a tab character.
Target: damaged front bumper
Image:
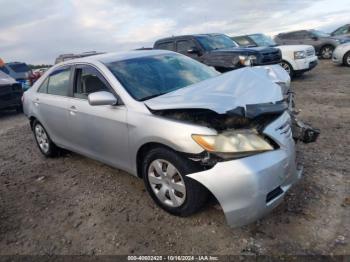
301	131
250	187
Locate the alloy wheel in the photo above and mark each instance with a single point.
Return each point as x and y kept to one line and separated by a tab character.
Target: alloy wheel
286	67
327	52
42	138
167	183
348	60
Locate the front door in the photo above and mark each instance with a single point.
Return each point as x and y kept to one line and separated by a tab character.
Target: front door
100	132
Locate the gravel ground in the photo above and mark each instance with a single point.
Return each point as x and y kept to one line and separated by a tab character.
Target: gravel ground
74	205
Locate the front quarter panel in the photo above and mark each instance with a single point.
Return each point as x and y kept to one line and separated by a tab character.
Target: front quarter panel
148	128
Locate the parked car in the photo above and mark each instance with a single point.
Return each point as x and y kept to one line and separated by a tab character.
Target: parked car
296	59
19	71
341	54
323	43
10	93
219	51
65	57
342	31
178	124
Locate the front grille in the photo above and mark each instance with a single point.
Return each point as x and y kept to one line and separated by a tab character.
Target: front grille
273	194
310	52
5	89
272	57
16	87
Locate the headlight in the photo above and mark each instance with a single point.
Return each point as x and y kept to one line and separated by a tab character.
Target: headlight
238	141
299	54
247	60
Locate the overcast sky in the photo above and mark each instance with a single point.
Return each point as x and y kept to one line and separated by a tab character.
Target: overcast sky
37	31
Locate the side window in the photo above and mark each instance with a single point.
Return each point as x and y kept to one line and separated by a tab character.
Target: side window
342	30
43	87
290	35
299	35
88	80
183	46
59	82
166	46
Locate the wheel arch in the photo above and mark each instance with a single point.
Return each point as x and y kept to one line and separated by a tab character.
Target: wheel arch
344	57
323	46
32	119
143	150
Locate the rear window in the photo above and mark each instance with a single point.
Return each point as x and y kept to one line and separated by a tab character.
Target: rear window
166	46
243	41
19	68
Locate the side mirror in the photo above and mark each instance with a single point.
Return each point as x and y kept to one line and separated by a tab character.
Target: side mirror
102	98
314	38
193	50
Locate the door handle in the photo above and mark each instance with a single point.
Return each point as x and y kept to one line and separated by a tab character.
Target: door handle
72	110
36	102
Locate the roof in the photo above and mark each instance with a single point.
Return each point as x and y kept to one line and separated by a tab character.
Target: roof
118	56
295	31
179	36
15	63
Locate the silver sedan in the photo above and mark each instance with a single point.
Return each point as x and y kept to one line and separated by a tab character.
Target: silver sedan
186	130
341	54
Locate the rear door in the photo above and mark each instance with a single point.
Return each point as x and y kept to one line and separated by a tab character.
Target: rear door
51	104
100	132
184	45
310	39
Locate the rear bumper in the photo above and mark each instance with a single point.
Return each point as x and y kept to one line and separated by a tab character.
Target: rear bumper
250	187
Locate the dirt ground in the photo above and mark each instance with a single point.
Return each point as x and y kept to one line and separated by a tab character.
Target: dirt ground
74	205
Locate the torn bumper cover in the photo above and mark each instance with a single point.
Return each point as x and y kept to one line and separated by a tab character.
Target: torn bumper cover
250	187
301	131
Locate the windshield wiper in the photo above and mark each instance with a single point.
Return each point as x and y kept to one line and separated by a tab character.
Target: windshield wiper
152	96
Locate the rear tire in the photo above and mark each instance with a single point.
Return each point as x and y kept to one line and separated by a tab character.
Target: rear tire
327	51
43	140
165	176
346	59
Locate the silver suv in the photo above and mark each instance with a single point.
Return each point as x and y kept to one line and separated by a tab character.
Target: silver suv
184	128
323	43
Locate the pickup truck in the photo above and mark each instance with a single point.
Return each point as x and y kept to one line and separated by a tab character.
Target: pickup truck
219	51
10	93
296	59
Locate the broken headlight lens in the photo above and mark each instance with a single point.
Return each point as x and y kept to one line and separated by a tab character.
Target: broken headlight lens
238	141
299	54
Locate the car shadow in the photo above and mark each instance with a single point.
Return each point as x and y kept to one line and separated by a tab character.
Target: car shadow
9	113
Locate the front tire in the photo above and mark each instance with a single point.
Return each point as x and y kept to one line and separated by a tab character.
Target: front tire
288	67
165	176
327	52
346	59
43	140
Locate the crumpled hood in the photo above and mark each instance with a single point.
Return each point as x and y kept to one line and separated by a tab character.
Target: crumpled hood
226	92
